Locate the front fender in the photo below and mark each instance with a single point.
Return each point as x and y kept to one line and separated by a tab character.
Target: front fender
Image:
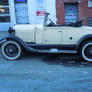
15	38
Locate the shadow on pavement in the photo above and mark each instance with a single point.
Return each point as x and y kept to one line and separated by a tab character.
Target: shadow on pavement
67	60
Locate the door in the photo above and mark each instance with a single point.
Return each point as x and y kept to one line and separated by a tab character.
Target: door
52	35
21	11
71	13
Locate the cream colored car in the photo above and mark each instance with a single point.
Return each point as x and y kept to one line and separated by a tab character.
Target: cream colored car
48	38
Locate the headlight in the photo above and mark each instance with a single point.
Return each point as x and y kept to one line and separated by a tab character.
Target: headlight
11	30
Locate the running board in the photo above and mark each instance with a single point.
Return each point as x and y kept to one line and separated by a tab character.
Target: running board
59	51
53	50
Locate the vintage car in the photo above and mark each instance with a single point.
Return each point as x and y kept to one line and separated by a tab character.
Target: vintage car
48	38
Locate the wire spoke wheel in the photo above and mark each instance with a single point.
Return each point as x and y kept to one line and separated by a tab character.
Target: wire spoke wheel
11	50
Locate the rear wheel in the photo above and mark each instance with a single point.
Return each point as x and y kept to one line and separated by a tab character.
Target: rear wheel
11	50
86	51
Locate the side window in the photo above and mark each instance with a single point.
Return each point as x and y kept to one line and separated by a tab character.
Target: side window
4	11
89	3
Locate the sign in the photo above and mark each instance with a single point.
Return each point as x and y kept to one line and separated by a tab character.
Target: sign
40	13
40	7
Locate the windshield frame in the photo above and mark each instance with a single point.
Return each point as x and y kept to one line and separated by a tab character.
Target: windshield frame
45	19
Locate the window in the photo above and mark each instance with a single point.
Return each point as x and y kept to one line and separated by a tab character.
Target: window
4	2
20	1
89	3
4	11
89	21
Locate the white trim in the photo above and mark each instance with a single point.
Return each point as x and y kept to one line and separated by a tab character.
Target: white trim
12	12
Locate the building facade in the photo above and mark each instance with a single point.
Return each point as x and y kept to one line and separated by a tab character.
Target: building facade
31	11
74	10
14	12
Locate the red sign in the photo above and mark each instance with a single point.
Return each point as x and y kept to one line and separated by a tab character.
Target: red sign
40	13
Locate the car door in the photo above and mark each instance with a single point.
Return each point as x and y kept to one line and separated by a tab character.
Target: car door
52	35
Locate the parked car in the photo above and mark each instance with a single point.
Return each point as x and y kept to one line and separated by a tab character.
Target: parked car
48	38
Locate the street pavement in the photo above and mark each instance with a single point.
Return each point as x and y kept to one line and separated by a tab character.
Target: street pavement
45	73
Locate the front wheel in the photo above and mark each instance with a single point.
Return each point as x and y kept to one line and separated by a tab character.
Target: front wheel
11	50
86	51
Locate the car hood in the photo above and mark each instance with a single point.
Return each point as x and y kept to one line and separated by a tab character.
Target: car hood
27	26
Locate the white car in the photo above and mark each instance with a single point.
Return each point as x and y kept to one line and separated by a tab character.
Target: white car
48	38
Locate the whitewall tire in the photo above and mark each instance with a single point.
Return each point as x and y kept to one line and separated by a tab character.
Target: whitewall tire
86	51
11	50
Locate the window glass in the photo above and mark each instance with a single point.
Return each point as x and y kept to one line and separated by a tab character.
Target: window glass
89	3
4	2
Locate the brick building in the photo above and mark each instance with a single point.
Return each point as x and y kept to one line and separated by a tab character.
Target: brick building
73	10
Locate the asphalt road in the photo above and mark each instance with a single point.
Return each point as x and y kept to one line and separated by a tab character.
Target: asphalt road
45	73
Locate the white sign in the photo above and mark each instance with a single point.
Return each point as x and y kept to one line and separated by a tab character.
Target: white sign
40	11
40	7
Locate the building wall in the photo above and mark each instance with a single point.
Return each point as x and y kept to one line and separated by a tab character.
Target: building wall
35	10
83	10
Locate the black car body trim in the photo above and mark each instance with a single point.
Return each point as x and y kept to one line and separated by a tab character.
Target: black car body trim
84	39
46	48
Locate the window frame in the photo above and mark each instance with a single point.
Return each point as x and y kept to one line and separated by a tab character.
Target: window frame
89	3
5	15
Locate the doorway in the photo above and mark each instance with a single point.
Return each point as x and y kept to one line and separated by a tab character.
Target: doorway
21	9
71	13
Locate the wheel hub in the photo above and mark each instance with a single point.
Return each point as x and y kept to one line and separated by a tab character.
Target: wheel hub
88	51
11	50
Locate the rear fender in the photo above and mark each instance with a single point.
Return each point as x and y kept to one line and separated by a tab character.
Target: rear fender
84	39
